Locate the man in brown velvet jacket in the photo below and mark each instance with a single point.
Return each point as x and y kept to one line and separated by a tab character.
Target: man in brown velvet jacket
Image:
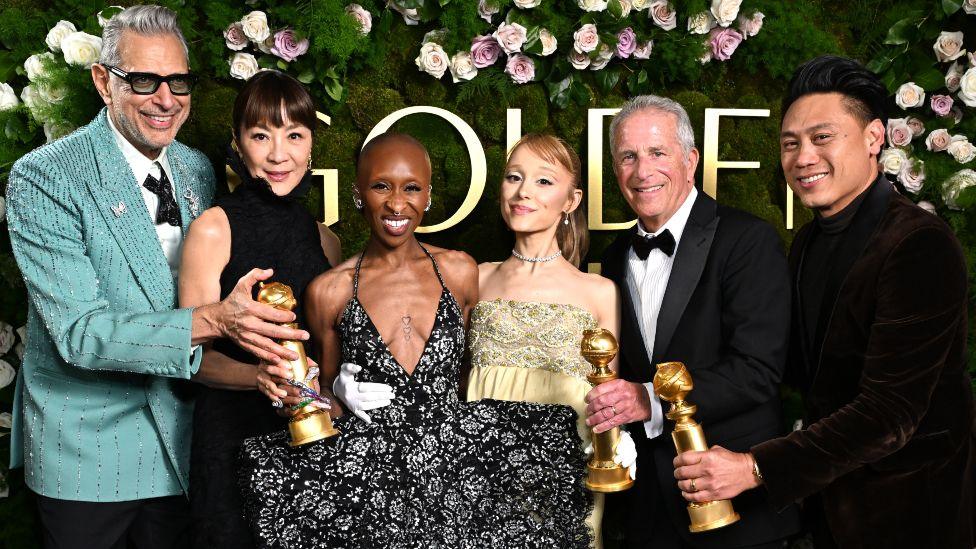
887	455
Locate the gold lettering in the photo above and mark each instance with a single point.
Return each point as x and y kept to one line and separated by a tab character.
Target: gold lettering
330	192
476	152
594	172
513	129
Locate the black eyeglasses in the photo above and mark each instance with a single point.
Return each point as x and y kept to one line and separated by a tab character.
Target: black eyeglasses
146	83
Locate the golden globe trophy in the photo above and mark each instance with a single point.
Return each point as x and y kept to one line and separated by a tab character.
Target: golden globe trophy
603	475
309	423
672	383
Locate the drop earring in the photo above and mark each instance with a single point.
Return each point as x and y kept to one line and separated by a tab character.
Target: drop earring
429	191
566	219
310	162
357	202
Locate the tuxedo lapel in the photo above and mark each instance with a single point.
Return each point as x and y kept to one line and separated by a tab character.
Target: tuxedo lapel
689	262
631	340
124	211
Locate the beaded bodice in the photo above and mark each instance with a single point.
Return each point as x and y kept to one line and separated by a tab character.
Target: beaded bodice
522	334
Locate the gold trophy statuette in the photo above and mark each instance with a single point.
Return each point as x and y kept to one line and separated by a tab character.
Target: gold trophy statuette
672	382
310	423
603	475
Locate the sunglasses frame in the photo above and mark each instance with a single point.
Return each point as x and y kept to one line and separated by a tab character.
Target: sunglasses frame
190	78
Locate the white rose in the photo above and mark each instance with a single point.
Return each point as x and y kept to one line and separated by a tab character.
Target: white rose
967	88
725	11
602	58
57	34
80	48
510	37
643	51
969	6
701	23
938	140
891	160
54	131
625	7
961	149
462	67
34	66
7	338
243	65
579	60
953	76
432	59
586	39
48	94
8	99
750	26
912	175
485	11
640	4
927	206
948	46
363	17
548	42
663	14
32	100
592	5
108	13
956	183
527	4
255	26
7	374
909	95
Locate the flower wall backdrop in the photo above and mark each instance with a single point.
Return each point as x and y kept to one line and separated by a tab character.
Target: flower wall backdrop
553	59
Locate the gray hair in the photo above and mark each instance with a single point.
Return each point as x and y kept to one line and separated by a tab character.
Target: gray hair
686	134
148	20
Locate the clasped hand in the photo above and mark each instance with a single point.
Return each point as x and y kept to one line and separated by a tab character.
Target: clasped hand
360	396
713	474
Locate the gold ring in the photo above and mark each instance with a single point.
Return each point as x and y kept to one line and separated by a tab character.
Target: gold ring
693	489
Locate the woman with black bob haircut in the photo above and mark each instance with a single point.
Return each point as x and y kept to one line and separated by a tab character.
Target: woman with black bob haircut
262	224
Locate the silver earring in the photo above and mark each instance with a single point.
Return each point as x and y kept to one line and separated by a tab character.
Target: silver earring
357	202
430	191
566	219
309	162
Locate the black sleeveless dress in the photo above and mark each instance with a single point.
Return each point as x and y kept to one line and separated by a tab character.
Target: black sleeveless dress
267	231
430	471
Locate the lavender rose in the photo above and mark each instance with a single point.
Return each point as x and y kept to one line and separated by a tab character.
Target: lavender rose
510	37
941	104
938	140
723	42
286	47
917	126
626	43
899	134
234	36
521	68
485	51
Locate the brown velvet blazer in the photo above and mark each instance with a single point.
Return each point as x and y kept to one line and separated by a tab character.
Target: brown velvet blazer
889	435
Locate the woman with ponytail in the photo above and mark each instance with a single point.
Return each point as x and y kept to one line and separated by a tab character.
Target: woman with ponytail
525	332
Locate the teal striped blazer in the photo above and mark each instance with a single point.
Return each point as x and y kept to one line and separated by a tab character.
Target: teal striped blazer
102	409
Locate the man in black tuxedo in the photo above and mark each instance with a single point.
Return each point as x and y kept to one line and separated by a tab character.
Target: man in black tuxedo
705	285
887	458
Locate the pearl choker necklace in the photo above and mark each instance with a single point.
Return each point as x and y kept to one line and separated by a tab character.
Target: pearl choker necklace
537	259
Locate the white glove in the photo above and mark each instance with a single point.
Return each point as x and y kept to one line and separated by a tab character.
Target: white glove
358	395
625	454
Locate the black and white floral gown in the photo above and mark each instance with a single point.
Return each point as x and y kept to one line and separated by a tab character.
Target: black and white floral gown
429	471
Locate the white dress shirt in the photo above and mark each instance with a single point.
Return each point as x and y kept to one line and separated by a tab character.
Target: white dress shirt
170	237
647	281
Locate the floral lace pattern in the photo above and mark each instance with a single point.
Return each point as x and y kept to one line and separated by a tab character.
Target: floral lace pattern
430	471
530	334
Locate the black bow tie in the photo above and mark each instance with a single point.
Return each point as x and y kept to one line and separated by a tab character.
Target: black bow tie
644	244
168	212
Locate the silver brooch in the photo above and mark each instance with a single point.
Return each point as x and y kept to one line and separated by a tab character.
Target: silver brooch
194	201
119	210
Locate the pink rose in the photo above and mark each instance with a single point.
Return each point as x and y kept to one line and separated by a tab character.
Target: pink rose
917	126
750	26
938	140
724	41
899	134
626	43
234	36
521	68
485	51
644	50
510	37
912	175
586	38
663	15
286	47
941	104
